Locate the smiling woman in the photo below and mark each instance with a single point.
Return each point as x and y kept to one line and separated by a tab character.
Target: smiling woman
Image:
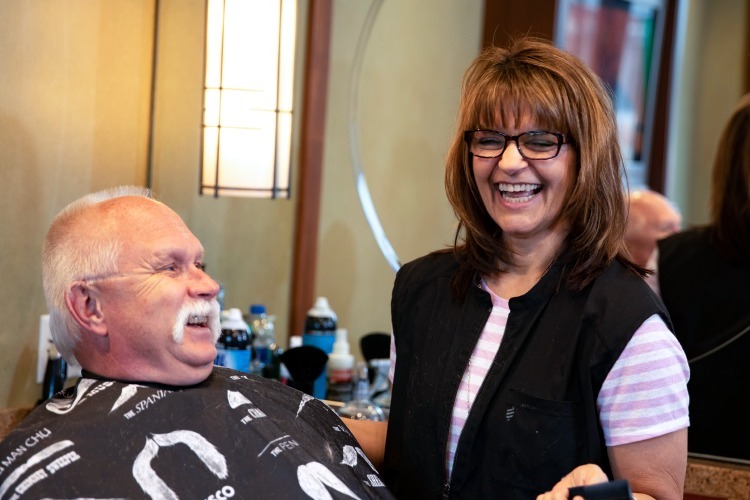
514	327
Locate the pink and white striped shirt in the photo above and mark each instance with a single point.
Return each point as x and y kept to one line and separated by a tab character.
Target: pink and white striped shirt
644	395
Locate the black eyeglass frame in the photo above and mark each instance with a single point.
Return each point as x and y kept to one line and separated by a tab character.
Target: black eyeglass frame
561	139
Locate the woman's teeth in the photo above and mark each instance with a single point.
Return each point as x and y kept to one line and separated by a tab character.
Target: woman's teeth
518	193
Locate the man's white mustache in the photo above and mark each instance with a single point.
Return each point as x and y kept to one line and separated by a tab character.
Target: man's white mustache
209	309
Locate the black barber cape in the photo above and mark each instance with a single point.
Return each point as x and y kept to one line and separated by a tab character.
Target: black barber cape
232	436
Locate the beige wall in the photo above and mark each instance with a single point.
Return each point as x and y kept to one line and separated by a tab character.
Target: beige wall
410	79
74	118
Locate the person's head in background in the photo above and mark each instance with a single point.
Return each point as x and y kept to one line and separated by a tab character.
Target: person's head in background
533	83
651	217
730	187
128	298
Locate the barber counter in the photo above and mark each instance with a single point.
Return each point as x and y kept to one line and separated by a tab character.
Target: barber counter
712	479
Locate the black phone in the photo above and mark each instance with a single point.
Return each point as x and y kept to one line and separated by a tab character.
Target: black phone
618	489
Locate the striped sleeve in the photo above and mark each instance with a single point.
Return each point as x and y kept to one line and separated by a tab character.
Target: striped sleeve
645	394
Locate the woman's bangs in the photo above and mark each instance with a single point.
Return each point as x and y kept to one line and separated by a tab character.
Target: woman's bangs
507	107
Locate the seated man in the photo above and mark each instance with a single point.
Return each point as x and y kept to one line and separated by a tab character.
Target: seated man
651	217
151	415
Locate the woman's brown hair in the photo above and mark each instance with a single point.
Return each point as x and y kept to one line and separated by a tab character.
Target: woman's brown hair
730	190
531	78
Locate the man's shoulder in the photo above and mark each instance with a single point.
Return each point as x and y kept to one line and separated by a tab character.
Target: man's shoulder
118	439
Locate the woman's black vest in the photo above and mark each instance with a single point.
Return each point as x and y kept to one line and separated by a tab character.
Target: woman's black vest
535	417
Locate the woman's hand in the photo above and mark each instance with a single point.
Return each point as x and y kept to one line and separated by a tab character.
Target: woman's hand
582	475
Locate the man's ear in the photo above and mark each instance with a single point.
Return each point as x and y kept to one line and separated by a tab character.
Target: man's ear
85	307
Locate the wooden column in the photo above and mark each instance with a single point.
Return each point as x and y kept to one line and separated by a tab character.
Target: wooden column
657	160
505	19
315	96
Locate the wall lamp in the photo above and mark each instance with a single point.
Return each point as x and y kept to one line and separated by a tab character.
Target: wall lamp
247	98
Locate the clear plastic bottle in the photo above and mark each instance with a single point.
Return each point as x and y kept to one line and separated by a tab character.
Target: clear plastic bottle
380	389
233	345
361	407
263	339
220	297
340	369
272	369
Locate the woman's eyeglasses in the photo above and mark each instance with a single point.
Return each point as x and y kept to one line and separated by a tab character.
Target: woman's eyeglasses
533	145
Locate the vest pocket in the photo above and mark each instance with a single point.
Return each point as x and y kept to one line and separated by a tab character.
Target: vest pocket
533	440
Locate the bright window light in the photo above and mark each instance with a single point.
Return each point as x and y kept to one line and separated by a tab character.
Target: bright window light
247	101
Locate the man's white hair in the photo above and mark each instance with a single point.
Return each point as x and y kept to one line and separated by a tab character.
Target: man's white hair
69	256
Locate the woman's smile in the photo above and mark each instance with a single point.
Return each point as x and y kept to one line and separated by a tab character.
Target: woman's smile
518	193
